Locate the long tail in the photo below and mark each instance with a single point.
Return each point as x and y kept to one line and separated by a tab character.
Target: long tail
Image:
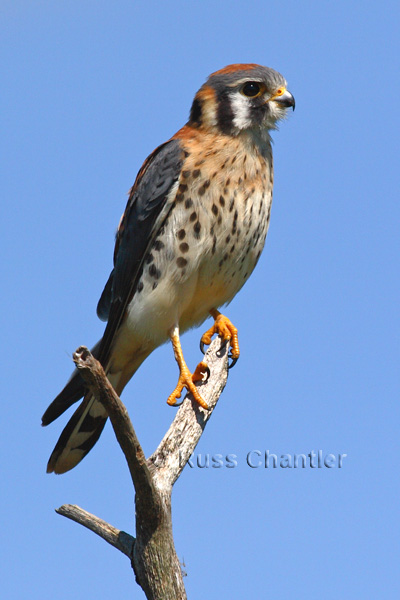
79	436
71	393
86	424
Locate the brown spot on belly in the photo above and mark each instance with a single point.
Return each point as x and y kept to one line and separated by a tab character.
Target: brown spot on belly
158	245
181	262
154	272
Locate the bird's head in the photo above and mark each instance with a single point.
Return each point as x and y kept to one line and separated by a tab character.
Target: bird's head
241	97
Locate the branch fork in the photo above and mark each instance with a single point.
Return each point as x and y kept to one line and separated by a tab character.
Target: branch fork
152	552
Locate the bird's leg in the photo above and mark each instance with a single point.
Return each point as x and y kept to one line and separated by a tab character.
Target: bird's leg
186	378
226	330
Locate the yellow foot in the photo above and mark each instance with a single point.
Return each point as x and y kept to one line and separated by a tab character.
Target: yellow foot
226	330
187	380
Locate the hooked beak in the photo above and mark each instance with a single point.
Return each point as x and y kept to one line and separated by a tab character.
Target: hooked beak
286	100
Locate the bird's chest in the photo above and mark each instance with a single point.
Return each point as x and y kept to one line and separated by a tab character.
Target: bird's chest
225	205
236	236
212	237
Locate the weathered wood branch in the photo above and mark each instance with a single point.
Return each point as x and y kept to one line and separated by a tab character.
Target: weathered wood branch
152	553
119	539
181	439
93	374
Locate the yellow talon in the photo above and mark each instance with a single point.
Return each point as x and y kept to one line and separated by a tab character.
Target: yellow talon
200	372
186	378
226	330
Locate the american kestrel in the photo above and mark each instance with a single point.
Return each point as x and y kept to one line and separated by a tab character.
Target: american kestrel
191	234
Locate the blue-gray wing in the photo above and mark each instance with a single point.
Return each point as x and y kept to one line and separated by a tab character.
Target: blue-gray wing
149	204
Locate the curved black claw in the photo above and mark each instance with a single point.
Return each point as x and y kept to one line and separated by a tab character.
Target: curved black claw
202	349
177	404
234	361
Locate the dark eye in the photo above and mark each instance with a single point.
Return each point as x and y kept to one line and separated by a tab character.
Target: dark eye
251	89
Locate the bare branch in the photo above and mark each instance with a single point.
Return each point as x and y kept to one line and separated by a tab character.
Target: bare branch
178	444
152	553
93	374
119	539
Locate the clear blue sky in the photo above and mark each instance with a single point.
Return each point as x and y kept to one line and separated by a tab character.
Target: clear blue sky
88	89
